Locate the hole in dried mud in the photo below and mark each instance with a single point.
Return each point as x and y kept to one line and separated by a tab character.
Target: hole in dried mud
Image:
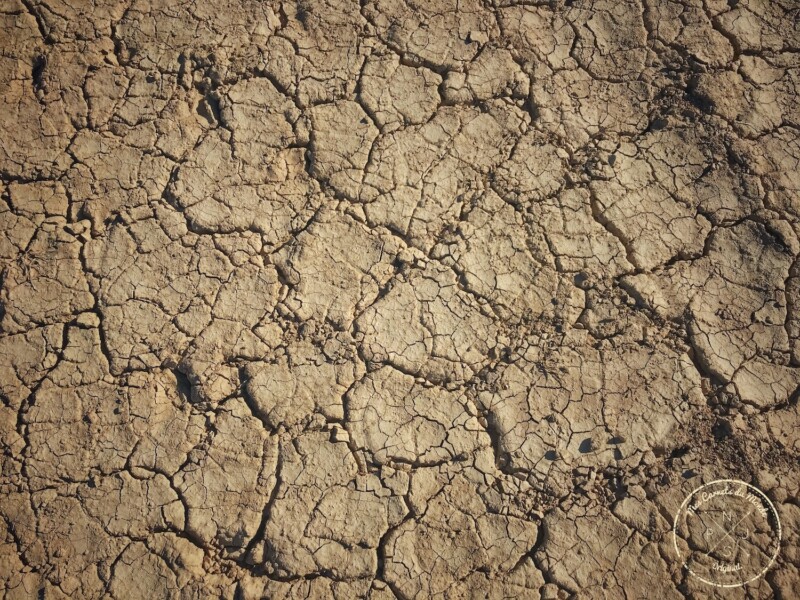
679	452
722	429
184	386
656	124
37	72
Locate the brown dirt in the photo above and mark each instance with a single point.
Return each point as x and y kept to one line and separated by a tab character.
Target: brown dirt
448	299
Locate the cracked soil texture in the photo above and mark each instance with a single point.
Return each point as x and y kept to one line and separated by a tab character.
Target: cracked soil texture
397	299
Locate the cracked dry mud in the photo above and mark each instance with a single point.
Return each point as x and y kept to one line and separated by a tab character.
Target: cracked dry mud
398	299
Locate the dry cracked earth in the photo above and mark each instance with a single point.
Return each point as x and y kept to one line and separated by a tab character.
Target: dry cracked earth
393	300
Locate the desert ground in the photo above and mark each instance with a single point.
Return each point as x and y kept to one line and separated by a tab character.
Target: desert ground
398	299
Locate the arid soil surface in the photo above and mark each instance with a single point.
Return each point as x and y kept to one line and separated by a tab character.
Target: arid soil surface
393	299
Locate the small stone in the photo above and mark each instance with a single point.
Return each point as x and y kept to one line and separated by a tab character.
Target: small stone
479	37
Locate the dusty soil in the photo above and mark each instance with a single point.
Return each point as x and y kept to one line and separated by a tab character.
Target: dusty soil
448	299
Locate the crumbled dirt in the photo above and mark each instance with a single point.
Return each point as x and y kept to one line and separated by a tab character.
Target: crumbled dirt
398	299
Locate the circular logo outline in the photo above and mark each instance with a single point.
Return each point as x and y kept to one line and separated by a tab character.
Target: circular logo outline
769	504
